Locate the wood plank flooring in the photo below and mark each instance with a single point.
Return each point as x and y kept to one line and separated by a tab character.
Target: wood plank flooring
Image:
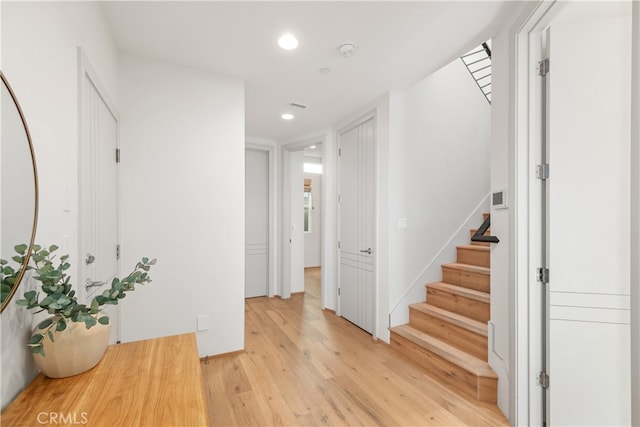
306	367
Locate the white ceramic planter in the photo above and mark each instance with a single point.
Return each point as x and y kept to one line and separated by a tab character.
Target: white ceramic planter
74	351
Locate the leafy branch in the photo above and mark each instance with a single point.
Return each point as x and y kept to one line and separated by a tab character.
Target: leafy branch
8	274
60	298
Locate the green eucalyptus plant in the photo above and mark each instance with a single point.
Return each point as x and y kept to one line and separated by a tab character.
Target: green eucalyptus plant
60	298
8	274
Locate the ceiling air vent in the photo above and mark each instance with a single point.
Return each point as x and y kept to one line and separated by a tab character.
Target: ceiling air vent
296	105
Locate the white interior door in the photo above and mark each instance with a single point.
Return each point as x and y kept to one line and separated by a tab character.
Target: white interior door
588	215
256	223
357	225
296	224
99	195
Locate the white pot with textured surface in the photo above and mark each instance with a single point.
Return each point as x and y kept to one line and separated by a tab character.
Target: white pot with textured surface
74	351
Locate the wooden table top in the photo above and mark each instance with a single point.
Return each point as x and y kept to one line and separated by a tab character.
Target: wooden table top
156	382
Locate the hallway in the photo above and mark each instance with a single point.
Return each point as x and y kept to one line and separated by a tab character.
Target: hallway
304	366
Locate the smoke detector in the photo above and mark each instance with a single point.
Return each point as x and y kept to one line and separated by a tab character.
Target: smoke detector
346	50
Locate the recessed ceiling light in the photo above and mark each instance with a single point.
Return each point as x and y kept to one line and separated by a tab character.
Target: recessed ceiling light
288	42
287	116
324	70
312	147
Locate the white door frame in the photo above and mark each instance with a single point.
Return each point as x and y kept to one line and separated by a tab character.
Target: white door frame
272	227
372	115
285	291
86	70
524	401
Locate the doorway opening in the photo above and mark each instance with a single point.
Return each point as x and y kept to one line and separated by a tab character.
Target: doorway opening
303	218
312	218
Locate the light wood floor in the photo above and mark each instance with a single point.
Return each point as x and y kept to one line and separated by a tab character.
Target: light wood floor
306	367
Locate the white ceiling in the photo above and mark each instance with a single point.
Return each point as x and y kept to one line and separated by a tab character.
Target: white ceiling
396	44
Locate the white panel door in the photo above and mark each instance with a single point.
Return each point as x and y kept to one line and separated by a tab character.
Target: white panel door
357	225
588	215
99	196
256	223
296	225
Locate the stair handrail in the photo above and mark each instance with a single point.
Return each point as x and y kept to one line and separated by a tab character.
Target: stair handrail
479	234
483	48
487	49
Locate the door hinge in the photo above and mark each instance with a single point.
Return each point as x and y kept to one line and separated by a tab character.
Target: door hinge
339	199
338	244
117	251
542	275
338	291
542	171
543	67
117	155
543	379
339	152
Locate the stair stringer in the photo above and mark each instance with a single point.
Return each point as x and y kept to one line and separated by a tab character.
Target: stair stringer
432	272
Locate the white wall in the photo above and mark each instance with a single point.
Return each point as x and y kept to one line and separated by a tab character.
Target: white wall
438	171
312	240
501	253
40	59
182	141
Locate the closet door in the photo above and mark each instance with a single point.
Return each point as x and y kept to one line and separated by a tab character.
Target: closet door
256	223
588	215
357	224
99	218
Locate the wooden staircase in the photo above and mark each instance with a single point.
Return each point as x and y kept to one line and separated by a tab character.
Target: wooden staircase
447	334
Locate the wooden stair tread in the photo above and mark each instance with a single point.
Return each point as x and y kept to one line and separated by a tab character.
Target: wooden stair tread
468	267
451	317
461	291
475	248
453	355
473	231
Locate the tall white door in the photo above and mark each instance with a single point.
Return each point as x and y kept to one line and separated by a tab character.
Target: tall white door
357	224
256	223
296	221
588	215
98	195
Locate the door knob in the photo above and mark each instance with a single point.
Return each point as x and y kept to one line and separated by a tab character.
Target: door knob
89	259
367	251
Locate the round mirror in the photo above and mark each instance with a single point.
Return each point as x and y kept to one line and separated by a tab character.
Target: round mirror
18	193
